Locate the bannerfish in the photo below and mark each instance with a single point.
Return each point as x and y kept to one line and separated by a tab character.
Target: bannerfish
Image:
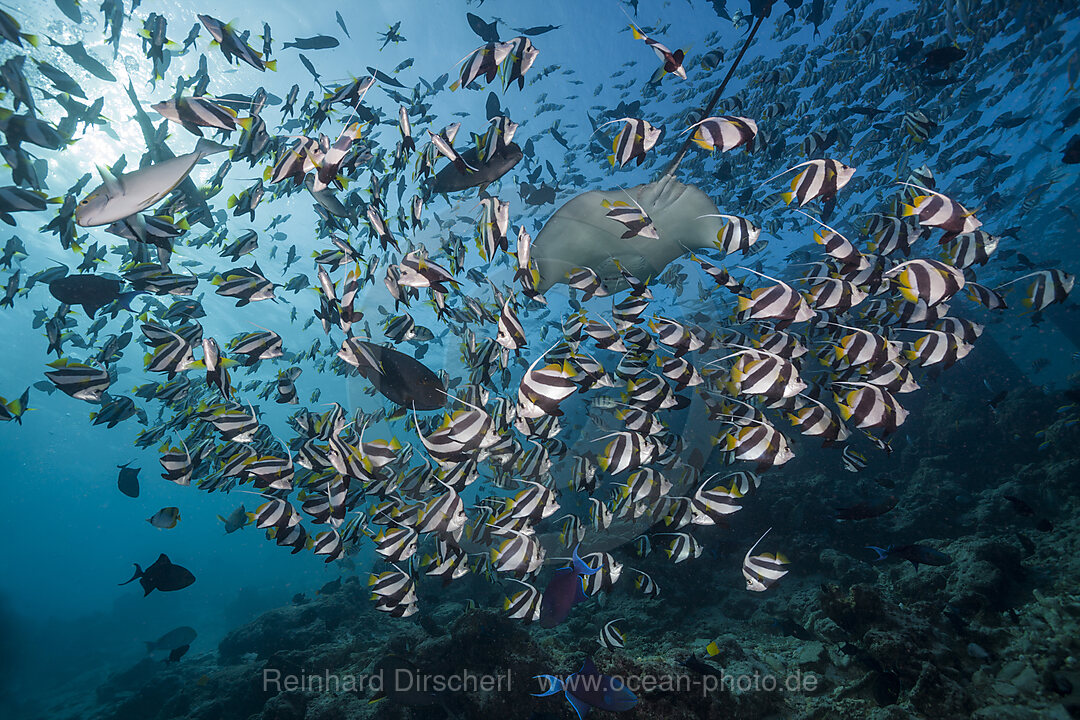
163	575
120	197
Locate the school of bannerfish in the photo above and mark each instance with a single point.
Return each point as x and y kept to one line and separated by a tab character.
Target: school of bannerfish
828	352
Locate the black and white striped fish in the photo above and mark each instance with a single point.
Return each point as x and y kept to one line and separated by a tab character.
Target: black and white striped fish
737	234
400	328
990	299
764	374
710	506
637	286
494	227
679	371
683	546
672	61
542	389
608	571
448	562
822	178
628	311
652	393
445	147
853	460
759	442
275	512
255	346
171	353
245	285
80	381
1046	288
232	422
675	335
534	503
583	475
393	592
521	553
931	281
396	544
407	142
177	463
269	471
891	235
524	604
918	125
444	514
937	346
892	376
763	571
835	295
645	584
328	543
840	248
482	62
522	56
724	132
286	387
588	282
600	515
968	330
644	487
939	211
719	275
511	333
636	138
633	216
870	406
864	347
778	302
626	451
816	420
611	637
972	248
606	337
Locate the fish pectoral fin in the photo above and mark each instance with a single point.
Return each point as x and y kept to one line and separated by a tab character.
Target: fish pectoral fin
580	706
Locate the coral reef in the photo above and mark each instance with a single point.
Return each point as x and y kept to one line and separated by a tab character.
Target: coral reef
994	633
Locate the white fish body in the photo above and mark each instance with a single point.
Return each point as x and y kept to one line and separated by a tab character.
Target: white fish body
120	197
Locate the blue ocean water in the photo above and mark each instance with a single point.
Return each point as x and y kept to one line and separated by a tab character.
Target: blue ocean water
995	127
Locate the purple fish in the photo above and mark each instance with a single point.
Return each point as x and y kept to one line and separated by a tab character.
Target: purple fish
588	688
563	591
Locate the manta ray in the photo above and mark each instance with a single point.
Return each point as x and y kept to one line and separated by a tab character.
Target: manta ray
581	235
